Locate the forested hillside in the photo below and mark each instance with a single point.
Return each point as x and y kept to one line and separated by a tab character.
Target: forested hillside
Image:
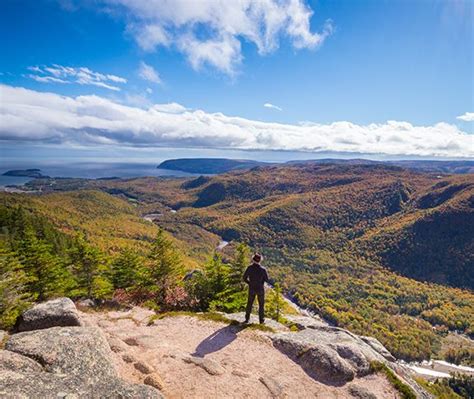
379	249
88	244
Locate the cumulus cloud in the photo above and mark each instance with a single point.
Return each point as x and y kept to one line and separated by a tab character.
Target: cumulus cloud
147	72
28	115
82	75
467	117
272	106
209	32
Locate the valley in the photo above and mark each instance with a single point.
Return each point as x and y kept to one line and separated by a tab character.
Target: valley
378	249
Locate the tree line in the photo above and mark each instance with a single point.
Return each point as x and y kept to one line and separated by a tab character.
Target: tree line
38	262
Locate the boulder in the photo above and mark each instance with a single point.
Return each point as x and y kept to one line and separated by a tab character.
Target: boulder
49	385
328	354
352	353
81	351
86	303
77	362
324	364
57	312
359	392
3	337
15	362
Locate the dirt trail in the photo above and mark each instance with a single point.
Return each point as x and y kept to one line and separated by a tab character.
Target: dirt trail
205	359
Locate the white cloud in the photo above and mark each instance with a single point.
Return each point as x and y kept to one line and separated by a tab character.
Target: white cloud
272	106
170	108
82	75
46	79
149	90
147	72
210	32
28	115
467	117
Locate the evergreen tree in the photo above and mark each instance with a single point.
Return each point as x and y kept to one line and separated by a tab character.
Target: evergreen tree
14	296
90	270
216	274
47	274
126	269
165	266
275	303
234	296
237	268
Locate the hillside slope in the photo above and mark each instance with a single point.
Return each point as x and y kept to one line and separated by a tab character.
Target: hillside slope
337	238
429	220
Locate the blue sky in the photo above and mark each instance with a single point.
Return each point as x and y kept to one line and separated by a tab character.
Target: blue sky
337	71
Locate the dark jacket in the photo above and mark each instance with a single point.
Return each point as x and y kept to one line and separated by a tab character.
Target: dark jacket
256	276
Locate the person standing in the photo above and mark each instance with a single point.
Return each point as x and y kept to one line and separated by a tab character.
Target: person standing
256	276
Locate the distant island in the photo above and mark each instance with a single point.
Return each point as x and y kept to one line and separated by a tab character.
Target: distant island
36	173
209	166
214	166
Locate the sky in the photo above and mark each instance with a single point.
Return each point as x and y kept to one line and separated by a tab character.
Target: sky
126	78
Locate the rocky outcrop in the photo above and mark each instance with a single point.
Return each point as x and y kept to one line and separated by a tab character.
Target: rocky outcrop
57	312
48	385
303	322
378	347
72	362
81	351
328	354
361	392
240	317
336	356
15	362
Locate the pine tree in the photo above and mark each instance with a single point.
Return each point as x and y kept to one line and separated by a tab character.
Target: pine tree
14	295
47	274
234	296
126	269
164	268
90	270
237	268
275	302
216	273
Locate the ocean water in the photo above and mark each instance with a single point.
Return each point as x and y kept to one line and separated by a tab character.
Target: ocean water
13	180
89	170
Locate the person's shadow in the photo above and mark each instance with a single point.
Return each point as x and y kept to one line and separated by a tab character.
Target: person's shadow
216	341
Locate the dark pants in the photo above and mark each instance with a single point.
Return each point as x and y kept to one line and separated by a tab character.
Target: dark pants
260	294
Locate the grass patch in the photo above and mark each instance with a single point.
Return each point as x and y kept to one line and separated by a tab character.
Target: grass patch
405	391
210	316
292	326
